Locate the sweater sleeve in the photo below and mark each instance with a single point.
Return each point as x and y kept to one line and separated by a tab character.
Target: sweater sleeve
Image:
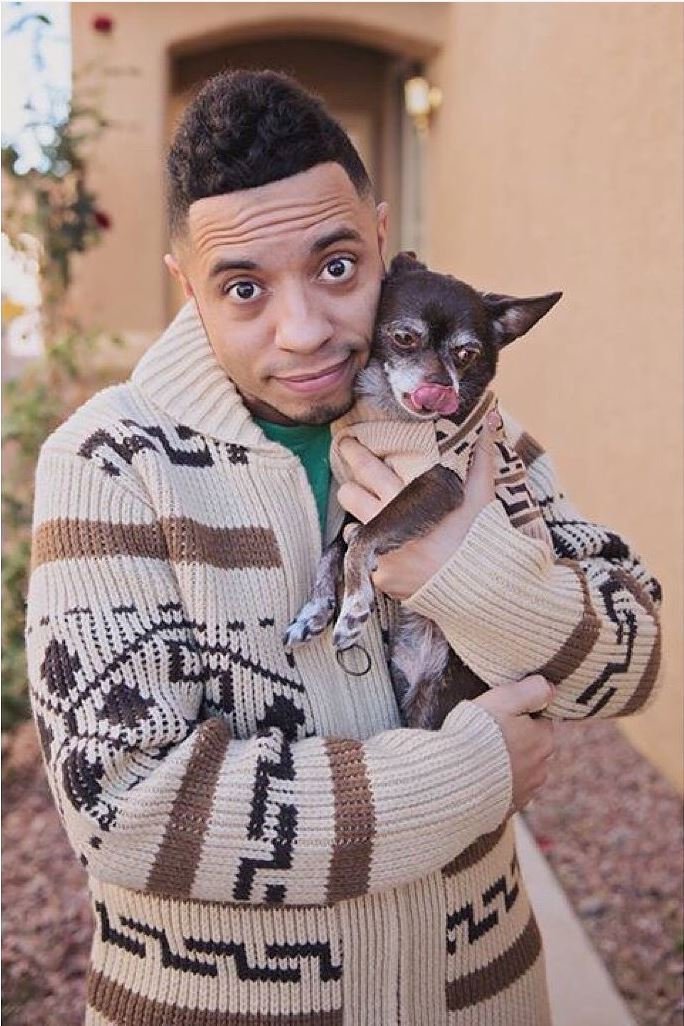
584	615
156	796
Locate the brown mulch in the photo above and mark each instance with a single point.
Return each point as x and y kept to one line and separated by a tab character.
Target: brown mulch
608	823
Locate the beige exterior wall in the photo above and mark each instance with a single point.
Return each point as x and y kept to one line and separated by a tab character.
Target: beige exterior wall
554	162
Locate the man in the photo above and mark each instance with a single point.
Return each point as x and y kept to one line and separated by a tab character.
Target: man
265	843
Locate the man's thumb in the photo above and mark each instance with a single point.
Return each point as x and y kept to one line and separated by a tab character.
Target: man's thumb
529	695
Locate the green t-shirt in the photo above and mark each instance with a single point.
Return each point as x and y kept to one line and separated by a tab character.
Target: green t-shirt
311	443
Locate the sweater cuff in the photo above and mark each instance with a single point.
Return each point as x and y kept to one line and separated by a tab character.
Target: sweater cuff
481	727
493	581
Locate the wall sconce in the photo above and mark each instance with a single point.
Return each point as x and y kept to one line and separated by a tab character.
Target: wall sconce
420	100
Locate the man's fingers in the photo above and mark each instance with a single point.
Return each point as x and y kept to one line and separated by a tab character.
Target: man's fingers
483	470
369	471
356	500
531	694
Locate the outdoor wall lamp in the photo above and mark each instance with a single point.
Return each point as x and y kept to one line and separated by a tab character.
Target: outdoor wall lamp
420	100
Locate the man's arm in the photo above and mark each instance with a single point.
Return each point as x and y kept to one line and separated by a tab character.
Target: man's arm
154	796
584	616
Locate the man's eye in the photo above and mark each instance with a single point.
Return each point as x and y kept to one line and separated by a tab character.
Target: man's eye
339	269
243	291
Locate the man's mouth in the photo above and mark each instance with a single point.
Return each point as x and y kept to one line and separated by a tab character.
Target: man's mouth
431	399
318	381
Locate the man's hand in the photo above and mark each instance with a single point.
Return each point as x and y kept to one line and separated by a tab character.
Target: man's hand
373	484
530	742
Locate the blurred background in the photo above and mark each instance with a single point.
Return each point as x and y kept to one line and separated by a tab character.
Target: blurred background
522	147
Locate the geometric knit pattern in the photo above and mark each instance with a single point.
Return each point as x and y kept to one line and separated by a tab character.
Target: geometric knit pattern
265	843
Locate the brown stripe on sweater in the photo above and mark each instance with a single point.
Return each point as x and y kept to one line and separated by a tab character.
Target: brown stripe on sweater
500	973
519	520
650	674
126	1008
178	858
648	679
582	640
475	852
230	548
67	538
349	873
509	479
528	449
180	539
463	429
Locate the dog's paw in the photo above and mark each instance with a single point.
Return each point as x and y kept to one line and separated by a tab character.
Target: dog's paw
311	620
355	610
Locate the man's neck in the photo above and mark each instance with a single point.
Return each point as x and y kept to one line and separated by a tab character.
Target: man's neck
258	408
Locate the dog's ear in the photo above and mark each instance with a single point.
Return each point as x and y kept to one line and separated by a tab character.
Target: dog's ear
513	317
405	261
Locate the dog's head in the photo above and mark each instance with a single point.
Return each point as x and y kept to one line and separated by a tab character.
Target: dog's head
437	340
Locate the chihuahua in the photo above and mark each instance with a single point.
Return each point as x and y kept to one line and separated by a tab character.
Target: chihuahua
435	349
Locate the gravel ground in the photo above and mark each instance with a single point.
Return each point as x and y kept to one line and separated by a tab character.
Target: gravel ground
611	828
608	823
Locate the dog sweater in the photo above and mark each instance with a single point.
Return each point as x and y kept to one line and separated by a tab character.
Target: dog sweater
265	844
412	447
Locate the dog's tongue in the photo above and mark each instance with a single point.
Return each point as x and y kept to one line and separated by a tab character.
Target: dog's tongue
436	398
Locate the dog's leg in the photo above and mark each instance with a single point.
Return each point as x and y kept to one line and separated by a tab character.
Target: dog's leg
418	660
315	616
412	513
429	678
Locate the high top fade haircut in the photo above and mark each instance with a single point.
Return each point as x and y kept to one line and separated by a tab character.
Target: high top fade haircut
250	128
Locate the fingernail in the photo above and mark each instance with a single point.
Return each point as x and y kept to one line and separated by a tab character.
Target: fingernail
493	420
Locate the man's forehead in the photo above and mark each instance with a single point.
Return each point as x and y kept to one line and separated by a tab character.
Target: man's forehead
301	206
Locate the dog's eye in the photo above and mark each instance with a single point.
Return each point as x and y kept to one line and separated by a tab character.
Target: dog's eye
404	339
465	357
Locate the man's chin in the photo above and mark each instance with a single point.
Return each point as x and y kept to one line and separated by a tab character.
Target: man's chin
291	411
324	412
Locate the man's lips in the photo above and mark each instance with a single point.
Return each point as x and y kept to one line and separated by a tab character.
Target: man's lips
316	374
325	378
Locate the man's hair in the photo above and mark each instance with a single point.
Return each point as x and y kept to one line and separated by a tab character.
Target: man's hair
250	128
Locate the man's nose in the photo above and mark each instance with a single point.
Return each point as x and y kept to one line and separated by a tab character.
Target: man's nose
301	323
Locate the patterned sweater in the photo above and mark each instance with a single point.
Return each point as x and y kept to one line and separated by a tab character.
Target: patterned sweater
265	843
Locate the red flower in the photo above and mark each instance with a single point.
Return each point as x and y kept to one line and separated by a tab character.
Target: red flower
103	23
544	842
102	220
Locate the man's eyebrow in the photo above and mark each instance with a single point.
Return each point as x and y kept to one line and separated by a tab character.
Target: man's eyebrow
242	264
232	265
338	235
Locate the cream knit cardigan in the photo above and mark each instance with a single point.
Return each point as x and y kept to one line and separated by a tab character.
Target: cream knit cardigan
265	844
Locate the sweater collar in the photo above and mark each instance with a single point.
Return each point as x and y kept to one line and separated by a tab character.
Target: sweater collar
180	374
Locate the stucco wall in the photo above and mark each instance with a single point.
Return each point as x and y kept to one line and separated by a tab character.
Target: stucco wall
556	163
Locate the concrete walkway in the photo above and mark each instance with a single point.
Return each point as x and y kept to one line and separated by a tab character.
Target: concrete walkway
582	992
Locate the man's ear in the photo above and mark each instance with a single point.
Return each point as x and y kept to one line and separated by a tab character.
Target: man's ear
382	226
513	317
176	272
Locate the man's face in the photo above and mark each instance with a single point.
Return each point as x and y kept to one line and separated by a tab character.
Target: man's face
286	278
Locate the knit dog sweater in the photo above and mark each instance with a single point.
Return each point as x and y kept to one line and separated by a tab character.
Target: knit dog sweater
265	844
412	447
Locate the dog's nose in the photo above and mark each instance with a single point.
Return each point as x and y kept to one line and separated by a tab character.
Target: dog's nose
439	379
